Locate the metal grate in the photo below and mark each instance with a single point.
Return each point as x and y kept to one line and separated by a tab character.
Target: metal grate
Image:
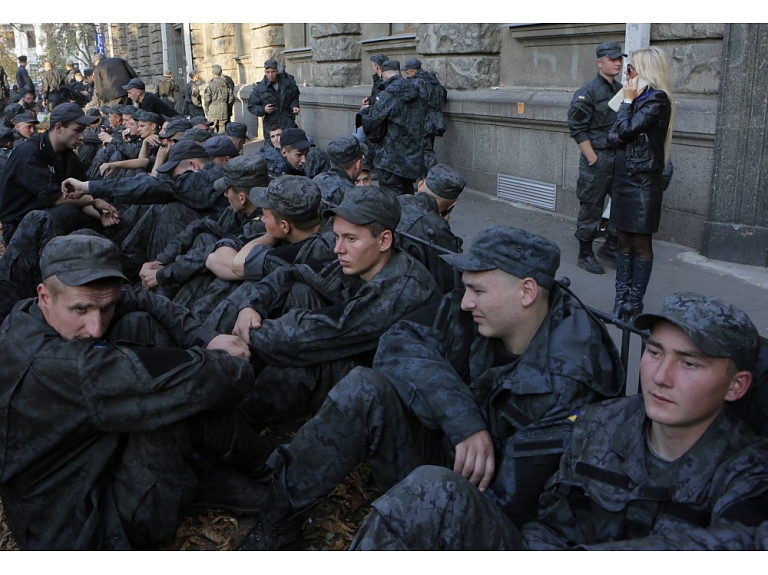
531	192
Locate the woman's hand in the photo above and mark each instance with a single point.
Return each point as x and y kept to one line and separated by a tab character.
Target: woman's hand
630	88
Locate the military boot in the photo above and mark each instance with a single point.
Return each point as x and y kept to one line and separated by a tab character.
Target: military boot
623	282
641	275
587	260
610	248
279	527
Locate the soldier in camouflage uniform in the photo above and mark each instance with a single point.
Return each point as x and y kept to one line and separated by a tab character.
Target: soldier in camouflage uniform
346	153
193	101
306	349
166	89
426	214
101	438
294	147
50	81
400	111
487	383
671	469
434	95
275	98
589	120
217	100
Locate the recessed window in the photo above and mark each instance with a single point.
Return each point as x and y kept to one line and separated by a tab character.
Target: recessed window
402	29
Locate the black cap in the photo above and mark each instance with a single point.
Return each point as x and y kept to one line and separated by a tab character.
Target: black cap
220	147
717	328
80	259
237	130
134	83
444	181
184	150
296	198
6	135
198	135
197	120
26	116
131	111
22	58
609	49
294	137
512	250
390	65
271	63
144	116
412	64
244	172
175	126
362	206
379	59
345	149
70	112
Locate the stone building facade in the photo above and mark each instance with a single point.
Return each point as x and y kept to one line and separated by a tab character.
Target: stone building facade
510	87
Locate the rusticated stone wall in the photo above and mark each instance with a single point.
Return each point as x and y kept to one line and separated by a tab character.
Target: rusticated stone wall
336	55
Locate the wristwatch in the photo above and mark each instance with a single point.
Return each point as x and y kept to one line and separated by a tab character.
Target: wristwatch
626	101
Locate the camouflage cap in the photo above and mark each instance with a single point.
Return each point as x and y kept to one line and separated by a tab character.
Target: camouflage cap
512	250
444	181
131	111
184	150
6	135
70	112
145	116
346	149
412	64
294	137
200	120
296	198
236	130
198	135
80	259
271	63
364	206
175	126
390	65
244	172
717	328
220	147
11	110
609	49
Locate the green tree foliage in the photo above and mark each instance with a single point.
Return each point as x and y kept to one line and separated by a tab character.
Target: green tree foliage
62	41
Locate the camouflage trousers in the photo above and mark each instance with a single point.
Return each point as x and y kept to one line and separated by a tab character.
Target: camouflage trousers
436	509
219	126
391	181
363	419
594	184
430	160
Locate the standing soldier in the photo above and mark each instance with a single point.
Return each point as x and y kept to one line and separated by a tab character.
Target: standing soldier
434	95
50	81
5	91
589	120
218	97
231	85
166	89
70	75
275	98
193	102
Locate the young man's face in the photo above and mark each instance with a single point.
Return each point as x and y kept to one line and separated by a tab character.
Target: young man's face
274	137
682	387
271	74
493	299
26	129
234	200
130	124
28	98
297	158
610	67
273	226
410	72
114	120
146	128
358	251
71	136
364	179
79	312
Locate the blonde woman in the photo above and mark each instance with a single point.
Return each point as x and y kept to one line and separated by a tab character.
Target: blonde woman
643	134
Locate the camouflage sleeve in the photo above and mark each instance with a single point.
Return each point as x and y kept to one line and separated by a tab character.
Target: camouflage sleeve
414	357
255	105
185	240
195	189
380	110
140	189
184	267
208	98
580	115
185	330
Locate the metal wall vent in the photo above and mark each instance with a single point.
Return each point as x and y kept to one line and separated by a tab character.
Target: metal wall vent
531	192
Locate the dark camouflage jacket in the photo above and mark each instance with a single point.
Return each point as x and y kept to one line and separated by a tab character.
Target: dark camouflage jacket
434	95
67	408
193	189
590	117
218	97
285	99
606	496
333	184
360	312
454	379
403	111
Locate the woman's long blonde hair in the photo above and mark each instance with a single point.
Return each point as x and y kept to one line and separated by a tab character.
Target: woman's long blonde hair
651	63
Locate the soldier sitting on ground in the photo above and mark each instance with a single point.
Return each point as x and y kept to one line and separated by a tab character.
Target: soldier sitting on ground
671	469
107	443
294	147
346	154
486	382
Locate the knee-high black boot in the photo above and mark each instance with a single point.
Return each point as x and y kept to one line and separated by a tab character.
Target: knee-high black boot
641	275
623	282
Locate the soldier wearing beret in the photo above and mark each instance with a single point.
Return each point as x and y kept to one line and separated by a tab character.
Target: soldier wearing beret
671	469
275	98
346	153
106	442
589	120
485	382
398	112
